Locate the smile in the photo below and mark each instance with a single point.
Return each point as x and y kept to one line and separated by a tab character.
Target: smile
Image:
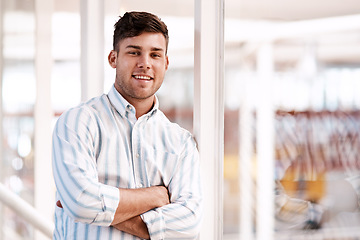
141	77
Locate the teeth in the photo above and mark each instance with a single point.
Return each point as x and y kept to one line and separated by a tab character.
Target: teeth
142	77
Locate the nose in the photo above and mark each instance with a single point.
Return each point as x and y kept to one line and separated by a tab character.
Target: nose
144	62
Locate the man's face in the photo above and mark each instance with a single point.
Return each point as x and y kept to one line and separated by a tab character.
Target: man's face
141	63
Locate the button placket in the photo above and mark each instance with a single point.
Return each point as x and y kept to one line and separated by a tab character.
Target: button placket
136	156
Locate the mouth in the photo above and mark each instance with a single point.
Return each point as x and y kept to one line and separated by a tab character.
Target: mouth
142	77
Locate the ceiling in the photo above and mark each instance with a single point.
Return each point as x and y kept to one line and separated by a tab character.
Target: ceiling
337	46
290	10
246	19
283	10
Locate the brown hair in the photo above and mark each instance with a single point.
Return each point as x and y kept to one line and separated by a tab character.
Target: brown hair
133	24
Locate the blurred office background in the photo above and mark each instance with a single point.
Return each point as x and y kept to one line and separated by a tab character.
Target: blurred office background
306	52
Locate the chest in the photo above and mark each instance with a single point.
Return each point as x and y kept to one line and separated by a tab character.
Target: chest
136	155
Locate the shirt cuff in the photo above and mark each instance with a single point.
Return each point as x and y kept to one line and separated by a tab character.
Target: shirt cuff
109	202
155	223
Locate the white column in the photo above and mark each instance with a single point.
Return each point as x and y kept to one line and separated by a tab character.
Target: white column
265	145
209	110
43	114
1	112
92	48
246	181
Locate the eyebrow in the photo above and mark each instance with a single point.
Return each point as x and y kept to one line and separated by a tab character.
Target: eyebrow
155	49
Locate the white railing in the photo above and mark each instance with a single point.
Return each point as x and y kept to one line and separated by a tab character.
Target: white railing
25	210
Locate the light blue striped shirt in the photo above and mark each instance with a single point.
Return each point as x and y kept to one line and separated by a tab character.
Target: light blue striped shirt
100	146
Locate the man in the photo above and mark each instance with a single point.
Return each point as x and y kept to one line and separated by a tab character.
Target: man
121	168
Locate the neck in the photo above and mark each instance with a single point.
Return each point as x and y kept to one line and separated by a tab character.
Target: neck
143	106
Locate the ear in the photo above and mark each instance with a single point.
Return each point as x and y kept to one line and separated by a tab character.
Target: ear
166	63
112	58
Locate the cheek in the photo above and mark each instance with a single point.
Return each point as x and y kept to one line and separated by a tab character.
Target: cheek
161	68
123	68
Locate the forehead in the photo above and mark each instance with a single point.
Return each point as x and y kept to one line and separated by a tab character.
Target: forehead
145	41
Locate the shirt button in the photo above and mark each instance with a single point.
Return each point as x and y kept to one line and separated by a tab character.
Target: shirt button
139	185
137	155
129	107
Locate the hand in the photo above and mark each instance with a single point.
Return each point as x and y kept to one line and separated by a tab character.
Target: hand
161	195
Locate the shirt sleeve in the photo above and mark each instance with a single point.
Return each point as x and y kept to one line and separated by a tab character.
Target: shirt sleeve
82	196
181	218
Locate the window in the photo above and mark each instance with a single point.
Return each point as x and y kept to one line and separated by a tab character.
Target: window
311	86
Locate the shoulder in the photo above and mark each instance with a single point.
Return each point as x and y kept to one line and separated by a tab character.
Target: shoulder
84	112
175	131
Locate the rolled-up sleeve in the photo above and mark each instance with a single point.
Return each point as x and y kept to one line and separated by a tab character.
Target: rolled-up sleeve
181	218
82	196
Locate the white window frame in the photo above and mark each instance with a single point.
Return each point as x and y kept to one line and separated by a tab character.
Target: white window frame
44	187
209	110
92	48
1	110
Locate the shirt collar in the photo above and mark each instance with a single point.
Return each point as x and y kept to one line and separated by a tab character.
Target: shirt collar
124	107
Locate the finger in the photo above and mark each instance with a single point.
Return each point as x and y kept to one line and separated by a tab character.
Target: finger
58	203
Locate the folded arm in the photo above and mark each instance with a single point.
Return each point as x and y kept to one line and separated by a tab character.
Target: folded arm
134	202
181	218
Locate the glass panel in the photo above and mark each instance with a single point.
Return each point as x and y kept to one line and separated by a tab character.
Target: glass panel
66	81
315	94
18	93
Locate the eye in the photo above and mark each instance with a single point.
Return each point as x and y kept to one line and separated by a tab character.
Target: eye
156	55
134	53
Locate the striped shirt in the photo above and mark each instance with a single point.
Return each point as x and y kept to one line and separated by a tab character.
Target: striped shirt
100	146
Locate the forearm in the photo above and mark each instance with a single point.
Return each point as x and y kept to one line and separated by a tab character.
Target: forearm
134	202
134	226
